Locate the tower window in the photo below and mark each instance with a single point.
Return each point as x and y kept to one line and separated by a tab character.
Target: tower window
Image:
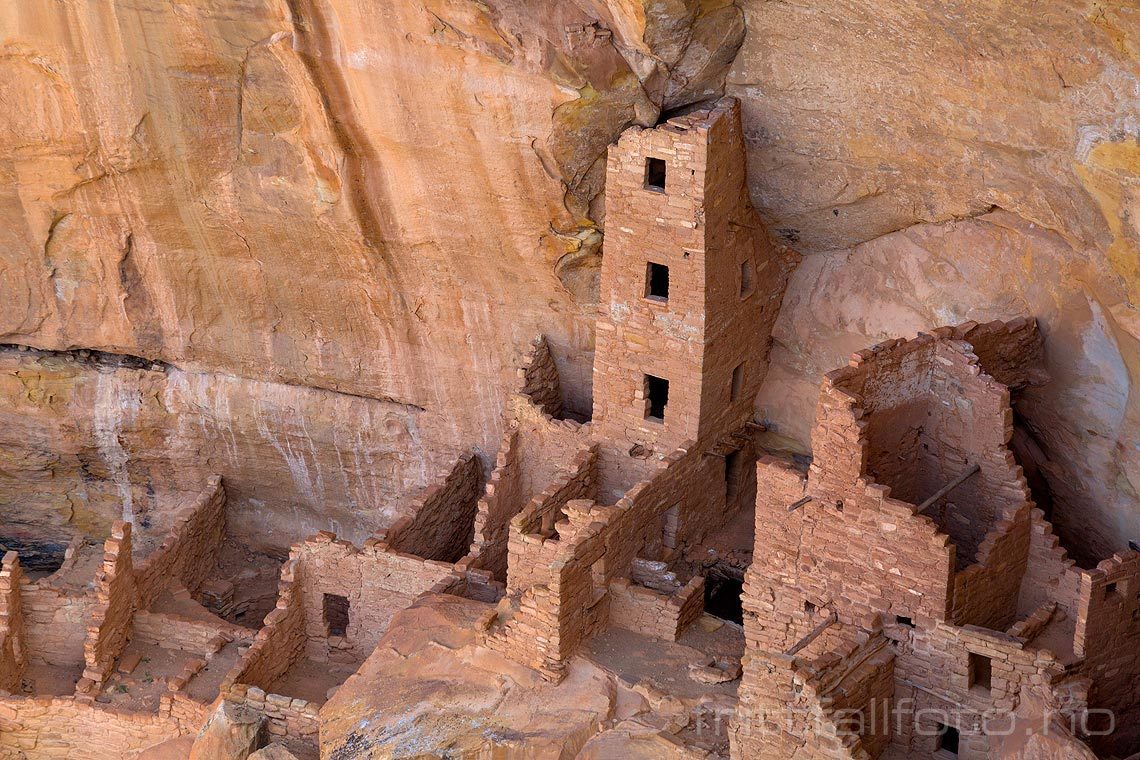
657	282
737	382
336	614
948	740
747	270
980	671
655	174
656	398
731	476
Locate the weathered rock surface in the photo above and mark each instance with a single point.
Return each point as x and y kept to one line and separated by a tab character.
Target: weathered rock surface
273	752
231	733
388	200
429	690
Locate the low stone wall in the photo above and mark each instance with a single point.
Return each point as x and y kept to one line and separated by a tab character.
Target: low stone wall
285	716
187	634
61	727
663	616
190	550
442	524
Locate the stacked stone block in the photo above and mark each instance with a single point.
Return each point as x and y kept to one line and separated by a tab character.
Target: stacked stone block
652	613
832	538
725	283
112	611
189	552
13	659
442	523
540	381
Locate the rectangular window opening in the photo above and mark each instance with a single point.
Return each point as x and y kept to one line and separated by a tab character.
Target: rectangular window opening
656	398
731	475
336	615
948	740
810	608
981	669
746	272
905	621
737	382
657	282
655	174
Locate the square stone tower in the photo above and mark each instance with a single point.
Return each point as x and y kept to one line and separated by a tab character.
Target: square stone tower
689	287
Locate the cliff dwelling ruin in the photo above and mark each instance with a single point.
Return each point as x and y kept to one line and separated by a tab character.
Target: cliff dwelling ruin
569	380
643	578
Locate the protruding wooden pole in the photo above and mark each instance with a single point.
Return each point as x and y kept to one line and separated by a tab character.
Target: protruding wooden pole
815	633
968	473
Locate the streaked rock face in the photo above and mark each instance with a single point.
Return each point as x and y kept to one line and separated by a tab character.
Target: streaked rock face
360	210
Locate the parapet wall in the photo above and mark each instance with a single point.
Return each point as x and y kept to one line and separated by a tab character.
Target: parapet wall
189	552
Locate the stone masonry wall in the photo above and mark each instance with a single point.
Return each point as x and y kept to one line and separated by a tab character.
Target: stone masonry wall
540	379
280	641
377	583
442	525
190	550
663	616
1050	576
725	283
935	662
113	609
879	557
502	500
559	585
55	624
1108	637
823	707
285	716
13	656
976	424
60	728
533	544
187	634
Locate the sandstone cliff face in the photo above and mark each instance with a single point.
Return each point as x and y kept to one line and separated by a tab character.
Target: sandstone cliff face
343	204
